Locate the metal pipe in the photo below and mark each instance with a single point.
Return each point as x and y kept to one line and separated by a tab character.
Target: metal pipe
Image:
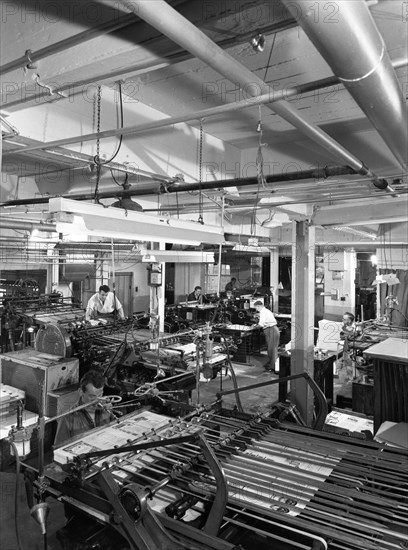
129	168
30	57
27	226
177	187
267	98
18	240
155	62
267	206
167	20
355	50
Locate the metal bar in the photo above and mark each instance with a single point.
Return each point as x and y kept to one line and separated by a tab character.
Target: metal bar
139	446
323	408
217	511
31	57
175	187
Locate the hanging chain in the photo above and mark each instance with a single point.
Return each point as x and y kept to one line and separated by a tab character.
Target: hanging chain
259	171
98	123
200	174
259	156
97	158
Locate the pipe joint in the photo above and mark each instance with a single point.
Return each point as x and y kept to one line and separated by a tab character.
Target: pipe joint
364	170
380	183
368	73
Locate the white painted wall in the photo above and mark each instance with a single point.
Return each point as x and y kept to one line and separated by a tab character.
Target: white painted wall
392	258
334	308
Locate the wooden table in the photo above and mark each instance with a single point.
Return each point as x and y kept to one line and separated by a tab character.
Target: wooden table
390	380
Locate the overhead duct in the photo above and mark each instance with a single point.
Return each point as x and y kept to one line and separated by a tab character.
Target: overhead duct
167	20
355	50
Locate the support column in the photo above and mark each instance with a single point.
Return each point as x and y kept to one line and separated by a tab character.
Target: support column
302	336
157	293
52	271
274	277
161	291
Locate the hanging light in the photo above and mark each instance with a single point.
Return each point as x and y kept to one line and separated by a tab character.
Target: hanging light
258	42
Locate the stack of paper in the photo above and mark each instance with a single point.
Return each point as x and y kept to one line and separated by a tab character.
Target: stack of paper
127	431
9	397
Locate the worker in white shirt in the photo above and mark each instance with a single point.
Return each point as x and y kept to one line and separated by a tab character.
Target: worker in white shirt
104	304
268	322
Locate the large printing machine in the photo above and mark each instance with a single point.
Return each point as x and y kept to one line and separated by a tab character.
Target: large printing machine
168	474
23	313
133	357
211	478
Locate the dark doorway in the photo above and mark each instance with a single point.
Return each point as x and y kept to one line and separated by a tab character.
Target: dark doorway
169	284
124	291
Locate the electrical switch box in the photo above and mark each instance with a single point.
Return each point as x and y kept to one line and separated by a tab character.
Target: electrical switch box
334	293
336	261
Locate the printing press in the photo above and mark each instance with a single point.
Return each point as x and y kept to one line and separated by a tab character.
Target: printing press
131	356
22	315
223	479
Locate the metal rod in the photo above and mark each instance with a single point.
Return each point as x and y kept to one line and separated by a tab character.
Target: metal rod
176	187
31	57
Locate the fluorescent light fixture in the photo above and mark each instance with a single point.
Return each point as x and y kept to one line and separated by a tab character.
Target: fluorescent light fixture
180	256
355	231
245	248
122	224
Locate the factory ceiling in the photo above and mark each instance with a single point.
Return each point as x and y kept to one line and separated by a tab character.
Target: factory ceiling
258	112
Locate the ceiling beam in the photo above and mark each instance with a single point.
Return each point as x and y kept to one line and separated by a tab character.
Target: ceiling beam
362	213
136	50
167	20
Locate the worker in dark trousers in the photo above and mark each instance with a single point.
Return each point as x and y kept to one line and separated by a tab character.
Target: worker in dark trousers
268	322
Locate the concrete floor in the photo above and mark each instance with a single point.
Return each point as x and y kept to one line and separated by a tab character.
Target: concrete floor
259	400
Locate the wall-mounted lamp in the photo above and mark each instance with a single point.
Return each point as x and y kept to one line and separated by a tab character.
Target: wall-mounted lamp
258	42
